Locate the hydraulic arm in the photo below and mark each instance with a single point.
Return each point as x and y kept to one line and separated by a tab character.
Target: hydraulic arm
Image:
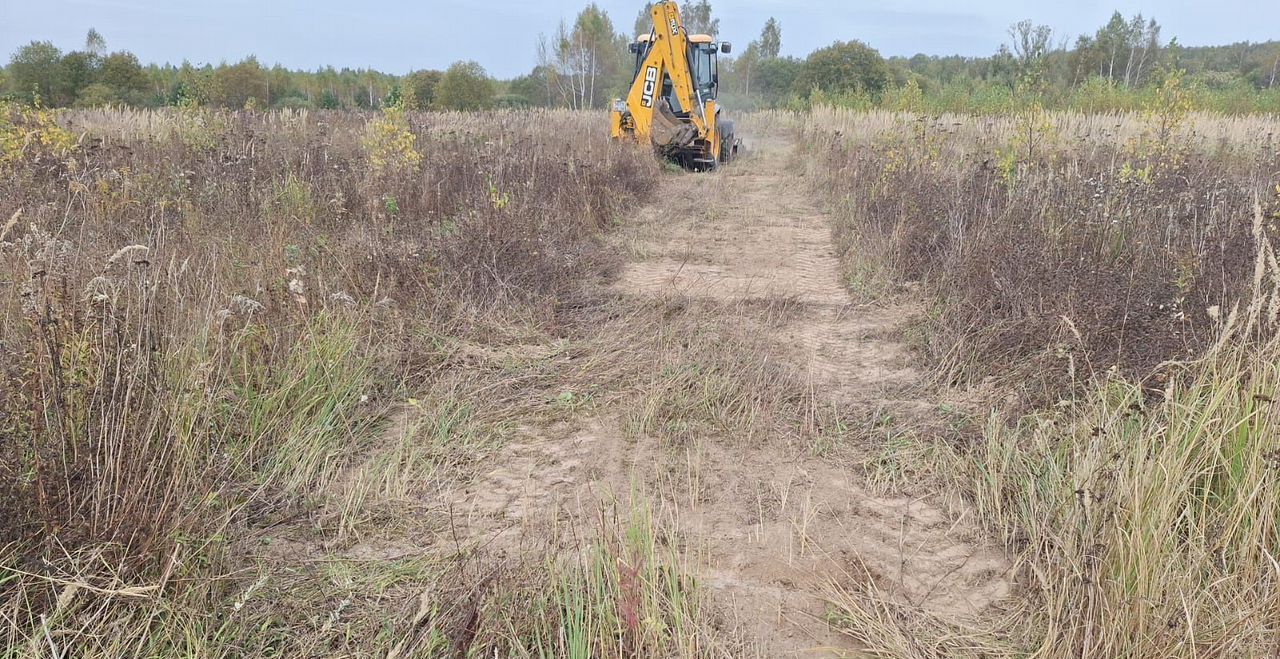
672	100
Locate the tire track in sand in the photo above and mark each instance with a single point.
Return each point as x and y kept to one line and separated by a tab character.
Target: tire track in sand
771	523
780	522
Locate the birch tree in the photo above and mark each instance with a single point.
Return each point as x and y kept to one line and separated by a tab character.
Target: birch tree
587	57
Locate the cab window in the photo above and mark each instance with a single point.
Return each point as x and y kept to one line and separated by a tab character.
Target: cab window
704	69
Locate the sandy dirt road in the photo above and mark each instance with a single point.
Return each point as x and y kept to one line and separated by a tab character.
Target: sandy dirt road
772	523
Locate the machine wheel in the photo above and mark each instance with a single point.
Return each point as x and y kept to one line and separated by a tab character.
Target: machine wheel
727	140
726	148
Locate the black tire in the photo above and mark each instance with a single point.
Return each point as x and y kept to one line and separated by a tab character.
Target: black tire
727	140
726	148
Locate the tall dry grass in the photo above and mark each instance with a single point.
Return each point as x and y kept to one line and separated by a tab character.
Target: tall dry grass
203	315
1057	245
1118	274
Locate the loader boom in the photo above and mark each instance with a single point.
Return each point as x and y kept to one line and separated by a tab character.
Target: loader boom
672	99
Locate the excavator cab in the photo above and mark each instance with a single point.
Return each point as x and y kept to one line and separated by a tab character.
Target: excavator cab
704	60
673	97
704	55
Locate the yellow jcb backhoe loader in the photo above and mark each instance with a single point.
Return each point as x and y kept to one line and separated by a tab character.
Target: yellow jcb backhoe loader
672	100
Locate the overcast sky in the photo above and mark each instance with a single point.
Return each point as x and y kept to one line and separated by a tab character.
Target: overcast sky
401	36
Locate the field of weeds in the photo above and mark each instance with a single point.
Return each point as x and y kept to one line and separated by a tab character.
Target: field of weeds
473	385
234	344
1109	284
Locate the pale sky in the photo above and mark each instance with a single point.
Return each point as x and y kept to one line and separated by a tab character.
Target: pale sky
398	36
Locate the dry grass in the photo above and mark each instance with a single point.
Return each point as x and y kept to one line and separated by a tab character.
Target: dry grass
205	315
246	370
1057	246
889	628
622	590
247	367
1119	271
1099	130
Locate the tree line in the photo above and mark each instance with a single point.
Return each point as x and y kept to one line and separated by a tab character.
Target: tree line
91	77
585	62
